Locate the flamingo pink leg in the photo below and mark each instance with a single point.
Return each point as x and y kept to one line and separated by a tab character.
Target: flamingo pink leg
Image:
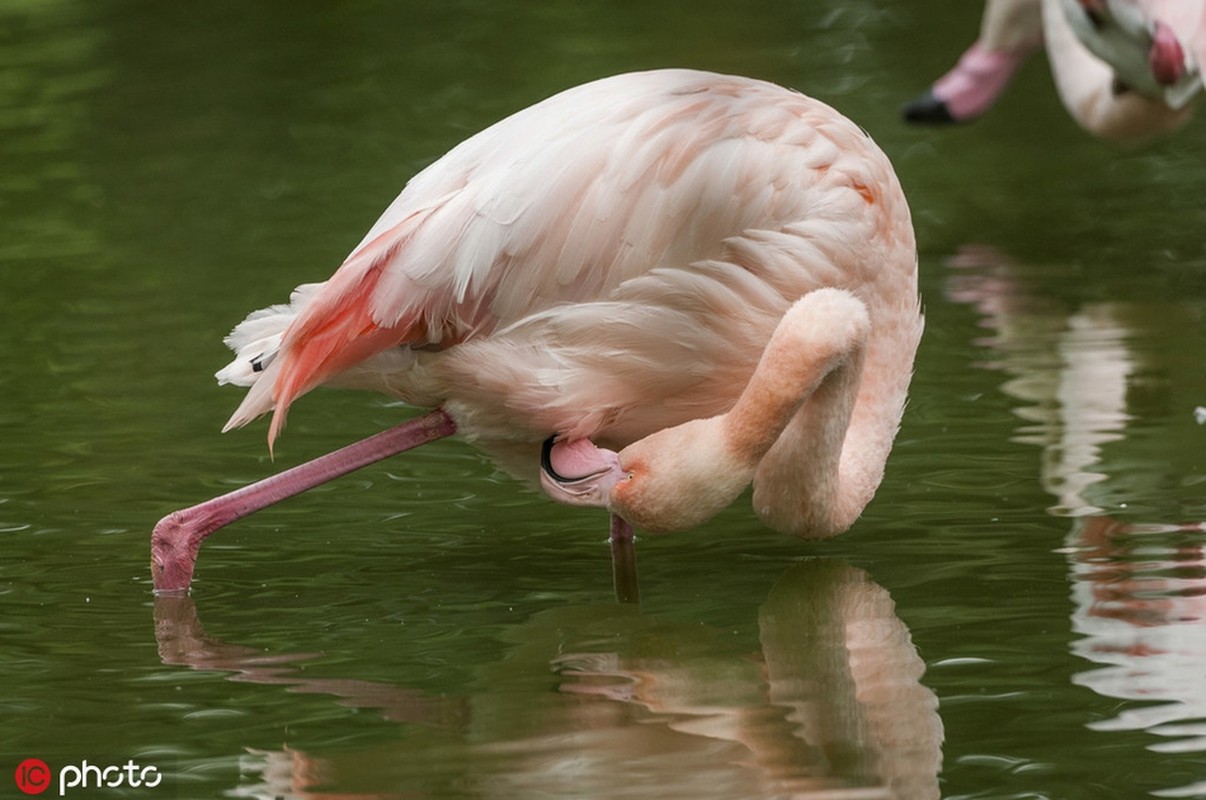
178	536
621	531
623	561
970	88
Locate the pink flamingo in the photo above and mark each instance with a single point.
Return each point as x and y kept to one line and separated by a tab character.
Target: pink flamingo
1124	69
712	275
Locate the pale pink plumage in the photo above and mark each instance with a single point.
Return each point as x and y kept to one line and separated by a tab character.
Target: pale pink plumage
610	263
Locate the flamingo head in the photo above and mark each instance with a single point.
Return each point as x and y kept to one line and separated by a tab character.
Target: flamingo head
579	474
1145	53
671	480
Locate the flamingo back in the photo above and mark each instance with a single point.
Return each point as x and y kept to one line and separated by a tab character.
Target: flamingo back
604	262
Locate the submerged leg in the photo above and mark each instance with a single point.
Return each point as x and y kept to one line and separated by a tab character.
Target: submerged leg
623	562
579	474
178	536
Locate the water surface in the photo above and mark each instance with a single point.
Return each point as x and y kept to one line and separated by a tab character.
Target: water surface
1017	615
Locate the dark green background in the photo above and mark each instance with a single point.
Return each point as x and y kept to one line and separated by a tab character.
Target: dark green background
167	167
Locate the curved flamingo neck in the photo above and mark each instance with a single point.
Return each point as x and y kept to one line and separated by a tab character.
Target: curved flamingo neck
799	375
806	384
822	493
846	428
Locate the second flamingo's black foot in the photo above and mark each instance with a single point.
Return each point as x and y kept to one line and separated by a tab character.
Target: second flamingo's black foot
927	109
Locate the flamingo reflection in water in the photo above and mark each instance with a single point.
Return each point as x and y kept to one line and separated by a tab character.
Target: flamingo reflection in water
1138	587
830	706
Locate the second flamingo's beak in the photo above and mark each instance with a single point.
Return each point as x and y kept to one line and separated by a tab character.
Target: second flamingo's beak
1166	57
578	473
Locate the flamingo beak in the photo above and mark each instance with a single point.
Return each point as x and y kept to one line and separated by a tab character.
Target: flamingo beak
578	473
1166	58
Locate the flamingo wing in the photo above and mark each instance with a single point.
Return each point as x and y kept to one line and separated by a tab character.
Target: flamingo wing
559	203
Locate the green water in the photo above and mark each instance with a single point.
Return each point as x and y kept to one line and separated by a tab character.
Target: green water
428	628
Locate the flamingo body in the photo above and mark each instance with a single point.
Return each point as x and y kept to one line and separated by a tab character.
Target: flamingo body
611	263
603	264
